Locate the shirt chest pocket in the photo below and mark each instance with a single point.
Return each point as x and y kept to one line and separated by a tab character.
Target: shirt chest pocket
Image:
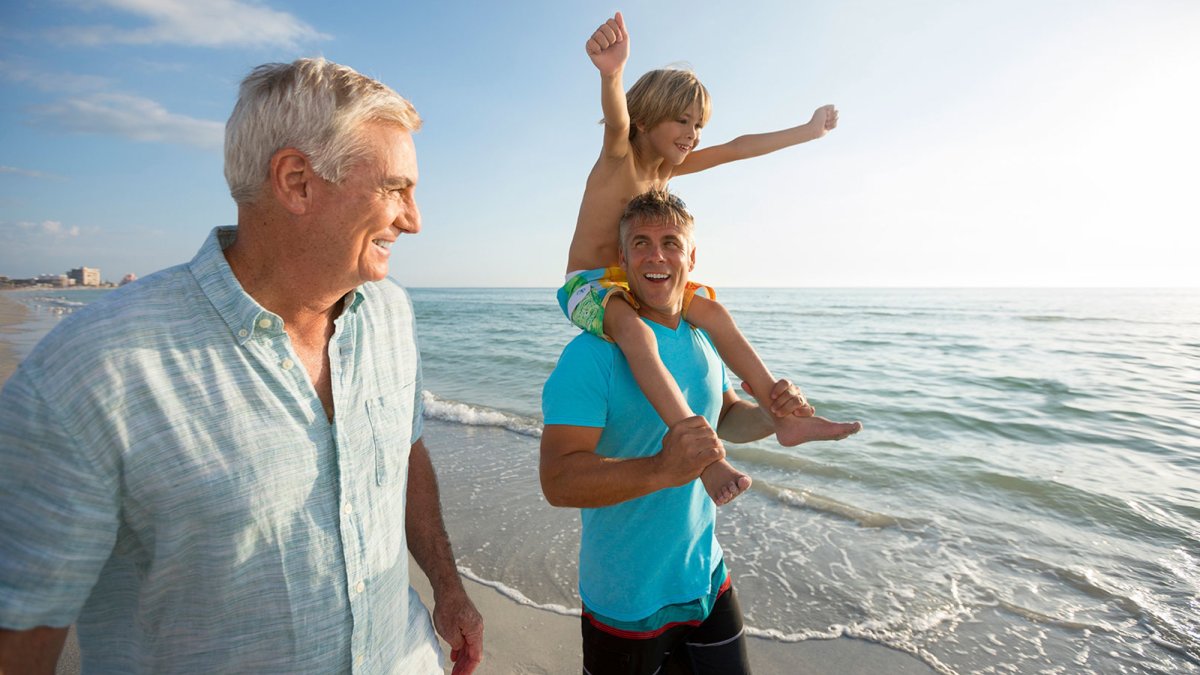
391	432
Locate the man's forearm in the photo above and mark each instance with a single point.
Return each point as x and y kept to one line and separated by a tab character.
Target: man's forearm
574	475
425	529
31	651
586	480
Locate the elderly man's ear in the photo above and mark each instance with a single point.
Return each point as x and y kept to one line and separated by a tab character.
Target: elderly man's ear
291	179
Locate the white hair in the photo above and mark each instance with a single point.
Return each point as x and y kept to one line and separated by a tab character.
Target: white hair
313	105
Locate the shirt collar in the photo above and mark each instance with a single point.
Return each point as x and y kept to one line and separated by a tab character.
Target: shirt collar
242	314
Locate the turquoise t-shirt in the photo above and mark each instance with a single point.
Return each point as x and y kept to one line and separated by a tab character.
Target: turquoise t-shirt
661	549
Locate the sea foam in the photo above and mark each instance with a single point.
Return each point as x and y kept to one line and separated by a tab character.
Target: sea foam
478	416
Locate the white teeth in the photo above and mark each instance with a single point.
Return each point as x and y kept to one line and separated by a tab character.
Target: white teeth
382	243
658	277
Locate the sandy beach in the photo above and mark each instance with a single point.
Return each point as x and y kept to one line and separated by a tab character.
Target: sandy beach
527	641
524	640
520	640
12	313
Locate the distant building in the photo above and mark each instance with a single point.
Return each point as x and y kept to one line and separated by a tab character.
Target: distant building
85	276
128	278
58	280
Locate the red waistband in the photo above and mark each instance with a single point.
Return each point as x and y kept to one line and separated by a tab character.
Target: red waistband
647	634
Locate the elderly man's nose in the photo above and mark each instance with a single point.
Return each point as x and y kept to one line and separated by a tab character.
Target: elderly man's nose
409	218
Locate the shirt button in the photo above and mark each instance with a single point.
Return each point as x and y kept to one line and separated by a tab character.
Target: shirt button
358	660
348	509
360	587
287	364
243	332
264	323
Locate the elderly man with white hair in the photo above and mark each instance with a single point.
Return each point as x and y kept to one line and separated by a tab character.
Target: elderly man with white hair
220	467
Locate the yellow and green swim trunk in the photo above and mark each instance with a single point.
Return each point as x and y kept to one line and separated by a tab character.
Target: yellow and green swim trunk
586	293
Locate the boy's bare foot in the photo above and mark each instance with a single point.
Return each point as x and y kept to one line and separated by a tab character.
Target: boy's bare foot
723	482
792	430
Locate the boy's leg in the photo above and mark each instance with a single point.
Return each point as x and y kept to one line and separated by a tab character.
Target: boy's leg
741	358
637	343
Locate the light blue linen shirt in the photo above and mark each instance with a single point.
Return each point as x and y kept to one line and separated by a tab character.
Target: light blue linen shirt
170	482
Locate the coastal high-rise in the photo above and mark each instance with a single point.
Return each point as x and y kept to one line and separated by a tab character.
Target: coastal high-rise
85	276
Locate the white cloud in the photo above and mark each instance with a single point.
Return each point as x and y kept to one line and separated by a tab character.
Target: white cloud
51	228
29	173
132	117
57	230
47	81
212	23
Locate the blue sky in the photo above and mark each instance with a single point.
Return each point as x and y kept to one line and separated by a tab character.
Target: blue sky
986	143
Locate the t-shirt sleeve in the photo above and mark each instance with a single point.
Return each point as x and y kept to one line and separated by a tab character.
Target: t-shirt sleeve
576	394
58	511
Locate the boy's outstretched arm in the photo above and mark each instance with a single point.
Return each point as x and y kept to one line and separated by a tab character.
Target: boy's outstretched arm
823	121
608	48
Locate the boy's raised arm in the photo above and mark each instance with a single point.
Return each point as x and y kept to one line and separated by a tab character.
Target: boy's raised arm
608	48
823	121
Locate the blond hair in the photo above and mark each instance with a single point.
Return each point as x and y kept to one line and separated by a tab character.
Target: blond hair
313	105
664	94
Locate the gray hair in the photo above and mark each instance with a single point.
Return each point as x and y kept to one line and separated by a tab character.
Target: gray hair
657	206
313	105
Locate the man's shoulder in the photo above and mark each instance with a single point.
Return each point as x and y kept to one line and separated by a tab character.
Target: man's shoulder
386	287
386	298
111	334
586	358
588	346
577	391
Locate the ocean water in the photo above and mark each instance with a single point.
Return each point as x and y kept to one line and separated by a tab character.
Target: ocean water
1024	498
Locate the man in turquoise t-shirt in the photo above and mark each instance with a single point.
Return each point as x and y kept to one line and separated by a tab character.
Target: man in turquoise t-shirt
651	572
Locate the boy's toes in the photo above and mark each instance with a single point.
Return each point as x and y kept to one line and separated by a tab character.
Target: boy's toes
850	428
732	489
727	494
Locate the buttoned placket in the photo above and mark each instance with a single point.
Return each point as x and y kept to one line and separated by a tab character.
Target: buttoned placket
268	330
342	361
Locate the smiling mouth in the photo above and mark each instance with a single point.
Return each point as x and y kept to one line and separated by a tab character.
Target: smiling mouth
657	277
683	148
383	244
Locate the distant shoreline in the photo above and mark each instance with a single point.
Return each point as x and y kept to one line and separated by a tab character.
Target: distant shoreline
56	289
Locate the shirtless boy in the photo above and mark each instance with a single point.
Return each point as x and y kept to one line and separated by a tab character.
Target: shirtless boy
651	136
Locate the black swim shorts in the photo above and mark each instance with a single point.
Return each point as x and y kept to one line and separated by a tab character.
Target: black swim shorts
717	646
